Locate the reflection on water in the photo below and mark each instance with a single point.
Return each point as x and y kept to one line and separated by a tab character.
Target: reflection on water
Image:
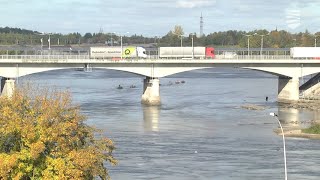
151	118
289	118
297	118
316	117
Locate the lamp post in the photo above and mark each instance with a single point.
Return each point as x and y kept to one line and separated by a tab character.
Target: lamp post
248	35
49	41
192	45
121	45
41	45
179	35
261	35
111	38
156	40
295	42
315	40
284	146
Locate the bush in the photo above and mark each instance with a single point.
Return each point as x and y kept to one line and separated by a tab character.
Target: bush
43	136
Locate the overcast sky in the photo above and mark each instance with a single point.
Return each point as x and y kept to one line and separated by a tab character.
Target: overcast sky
157	17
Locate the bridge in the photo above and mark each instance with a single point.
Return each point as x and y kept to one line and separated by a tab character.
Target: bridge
288	70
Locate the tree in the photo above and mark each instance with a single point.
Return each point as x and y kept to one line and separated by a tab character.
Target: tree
178	30
307	39
44	136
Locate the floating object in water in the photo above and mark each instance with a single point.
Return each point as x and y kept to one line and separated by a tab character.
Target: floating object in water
119	87
183	81
132	86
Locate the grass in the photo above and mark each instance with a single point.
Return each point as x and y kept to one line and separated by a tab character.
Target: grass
315	129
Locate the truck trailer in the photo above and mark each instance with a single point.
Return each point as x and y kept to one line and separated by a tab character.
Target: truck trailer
104	52
305	52
186	52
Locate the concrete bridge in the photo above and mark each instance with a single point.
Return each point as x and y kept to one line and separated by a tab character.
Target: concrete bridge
288	70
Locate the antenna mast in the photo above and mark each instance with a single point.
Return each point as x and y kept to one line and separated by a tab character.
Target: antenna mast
201	25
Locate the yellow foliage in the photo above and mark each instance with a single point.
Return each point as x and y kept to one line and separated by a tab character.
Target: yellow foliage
43	136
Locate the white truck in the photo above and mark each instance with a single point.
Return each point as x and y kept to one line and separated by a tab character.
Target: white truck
229	55
305	52
104	52
186	52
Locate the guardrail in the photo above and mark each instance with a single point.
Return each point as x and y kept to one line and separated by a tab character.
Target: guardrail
255	57
87	57
41	57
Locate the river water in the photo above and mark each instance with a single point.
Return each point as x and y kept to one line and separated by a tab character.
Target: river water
199	132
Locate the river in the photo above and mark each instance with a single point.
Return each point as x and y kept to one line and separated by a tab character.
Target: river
199	132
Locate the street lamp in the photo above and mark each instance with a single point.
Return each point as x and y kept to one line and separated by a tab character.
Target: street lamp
121	44
49	40
179	35
315	40
284	146
192	45
111	38
156	40
41	45
49	43
248	35
295	42
261	35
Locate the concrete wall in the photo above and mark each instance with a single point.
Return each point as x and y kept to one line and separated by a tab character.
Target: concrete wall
288	89
151	92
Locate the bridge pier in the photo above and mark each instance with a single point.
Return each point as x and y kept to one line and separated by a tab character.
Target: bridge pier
7	87
151	92
288	89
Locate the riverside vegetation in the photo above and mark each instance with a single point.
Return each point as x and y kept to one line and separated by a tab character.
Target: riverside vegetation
44	136
231	38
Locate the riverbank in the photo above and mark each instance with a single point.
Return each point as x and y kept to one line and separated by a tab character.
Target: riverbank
297	133
301	104
312	105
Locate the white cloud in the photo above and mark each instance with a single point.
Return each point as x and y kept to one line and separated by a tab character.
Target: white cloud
293	16
185	4
194	3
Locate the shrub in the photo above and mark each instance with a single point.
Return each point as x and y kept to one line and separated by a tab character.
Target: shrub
43	136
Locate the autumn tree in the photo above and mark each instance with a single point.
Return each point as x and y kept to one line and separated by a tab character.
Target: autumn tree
307	39
44	136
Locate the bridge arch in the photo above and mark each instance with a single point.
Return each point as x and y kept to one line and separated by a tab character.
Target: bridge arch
151	71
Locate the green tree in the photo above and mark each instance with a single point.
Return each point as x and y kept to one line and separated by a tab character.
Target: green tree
44	136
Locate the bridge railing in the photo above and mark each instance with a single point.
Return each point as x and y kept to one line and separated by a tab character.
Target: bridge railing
255	57
42	57
226	57
87	57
